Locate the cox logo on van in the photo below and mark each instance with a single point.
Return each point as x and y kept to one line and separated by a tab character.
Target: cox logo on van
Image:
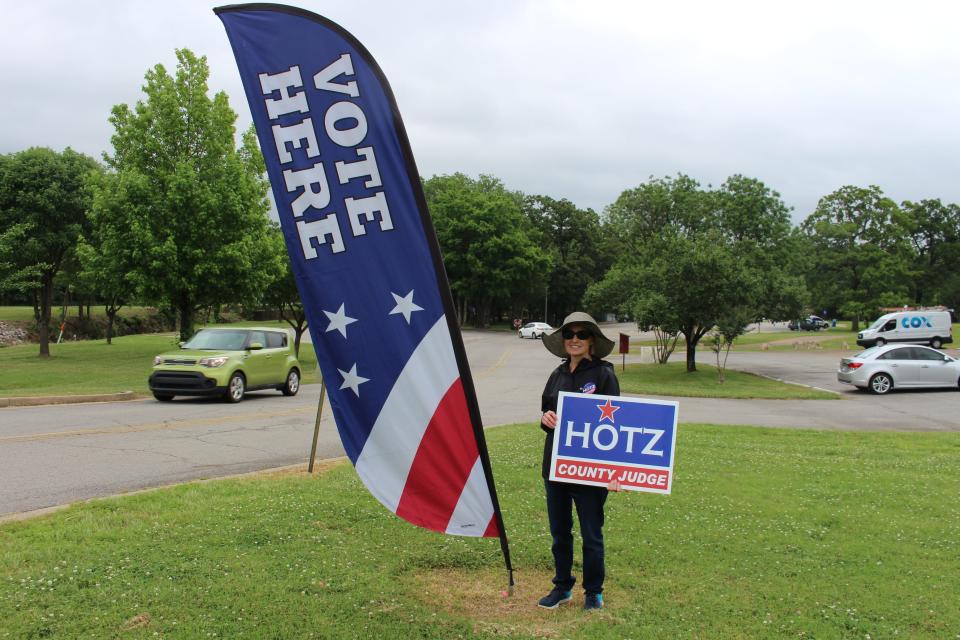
915	322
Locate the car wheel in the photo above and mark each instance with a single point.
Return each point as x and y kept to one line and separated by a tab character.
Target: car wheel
236	387
163	397
881	383
936	343
881	342
292	385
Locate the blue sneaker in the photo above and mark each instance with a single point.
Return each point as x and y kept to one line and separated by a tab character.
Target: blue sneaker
555	598
593	601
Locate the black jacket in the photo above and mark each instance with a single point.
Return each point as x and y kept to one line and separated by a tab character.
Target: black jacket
590	376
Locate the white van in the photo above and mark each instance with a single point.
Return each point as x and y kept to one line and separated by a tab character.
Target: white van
917	327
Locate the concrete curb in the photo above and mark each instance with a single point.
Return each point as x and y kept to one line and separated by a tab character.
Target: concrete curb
35	401
321	465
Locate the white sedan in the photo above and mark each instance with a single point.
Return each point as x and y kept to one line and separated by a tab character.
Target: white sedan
535	330
900	366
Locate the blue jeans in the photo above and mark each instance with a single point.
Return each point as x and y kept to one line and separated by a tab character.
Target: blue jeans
561	497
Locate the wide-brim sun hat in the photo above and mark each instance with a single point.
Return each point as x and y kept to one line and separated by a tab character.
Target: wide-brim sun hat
602	345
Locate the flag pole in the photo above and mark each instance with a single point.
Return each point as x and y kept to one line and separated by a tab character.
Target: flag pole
316	426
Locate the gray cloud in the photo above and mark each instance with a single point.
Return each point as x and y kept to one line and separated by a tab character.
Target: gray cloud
571	99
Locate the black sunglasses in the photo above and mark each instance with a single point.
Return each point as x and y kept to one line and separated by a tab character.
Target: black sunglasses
583	334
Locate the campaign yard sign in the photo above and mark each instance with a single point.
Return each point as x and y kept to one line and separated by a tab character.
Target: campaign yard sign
602	438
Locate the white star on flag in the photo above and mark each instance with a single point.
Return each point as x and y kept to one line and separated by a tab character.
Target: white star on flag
352	380
339	321
405	305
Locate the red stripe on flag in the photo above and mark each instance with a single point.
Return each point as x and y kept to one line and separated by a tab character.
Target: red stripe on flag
492	530
446	454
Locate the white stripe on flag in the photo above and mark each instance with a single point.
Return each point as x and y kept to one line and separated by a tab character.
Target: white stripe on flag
390	448
474	509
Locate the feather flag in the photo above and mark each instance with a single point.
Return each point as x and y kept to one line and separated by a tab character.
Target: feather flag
368	267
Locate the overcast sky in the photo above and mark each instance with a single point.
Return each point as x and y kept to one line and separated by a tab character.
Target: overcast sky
576	100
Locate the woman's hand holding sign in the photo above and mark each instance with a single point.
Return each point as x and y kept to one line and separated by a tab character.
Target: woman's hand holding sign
549	419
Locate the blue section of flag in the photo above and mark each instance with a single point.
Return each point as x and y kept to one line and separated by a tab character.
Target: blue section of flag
348	284
584	430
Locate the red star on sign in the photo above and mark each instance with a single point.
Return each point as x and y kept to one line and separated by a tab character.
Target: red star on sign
607	410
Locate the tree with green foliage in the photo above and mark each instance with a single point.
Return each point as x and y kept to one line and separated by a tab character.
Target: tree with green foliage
108	248
484	237
859	244
43	205
639	215
282	294
195	205
571	239
654	312
700	278
15	276
685	256
731	324
755	220
934	234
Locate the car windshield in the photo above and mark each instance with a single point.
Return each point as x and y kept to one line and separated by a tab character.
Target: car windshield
878	323
217	340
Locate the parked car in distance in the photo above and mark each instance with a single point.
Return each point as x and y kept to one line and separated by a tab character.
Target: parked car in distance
882	369
810	323
534	330
227	362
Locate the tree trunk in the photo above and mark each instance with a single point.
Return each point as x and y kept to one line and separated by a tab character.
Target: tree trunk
111	314
299	331
856	324
691	354
482	320
43	326
185	311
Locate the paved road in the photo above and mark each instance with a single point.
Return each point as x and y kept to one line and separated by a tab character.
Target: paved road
58	454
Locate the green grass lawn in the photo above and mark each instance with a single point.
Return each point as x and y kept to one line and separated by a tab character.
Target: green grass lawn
93	366
672	379
16	314
769	533
25	314
832	339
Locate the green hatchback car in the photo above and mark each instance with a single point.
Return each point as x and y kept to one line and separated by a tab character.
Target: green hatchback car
227	362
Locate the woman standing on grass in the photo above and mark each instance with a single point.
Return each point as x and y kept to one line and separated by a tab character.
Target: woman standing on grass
582	346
